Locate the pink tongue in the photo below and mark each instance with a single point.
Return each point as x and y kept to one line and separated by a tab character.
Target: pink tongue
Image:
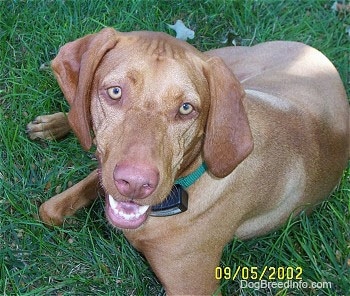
128	207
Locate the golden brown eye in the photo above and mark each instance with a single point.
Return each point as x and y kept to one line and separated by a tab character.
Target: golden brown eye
114	92
185	109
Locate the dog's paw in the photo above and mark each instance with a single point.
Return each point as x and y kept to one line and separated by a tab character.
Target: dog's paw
50	216
48	127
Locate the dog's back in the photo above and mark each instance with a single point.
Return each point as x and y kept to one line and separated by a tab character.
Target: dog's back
299	117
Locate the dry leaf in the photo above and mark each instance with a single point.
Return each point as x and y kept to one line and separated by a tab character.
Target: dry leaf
182	32
340	6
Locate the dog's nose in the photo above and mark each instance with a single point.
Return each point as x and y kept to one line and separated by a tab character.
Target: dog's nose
135	181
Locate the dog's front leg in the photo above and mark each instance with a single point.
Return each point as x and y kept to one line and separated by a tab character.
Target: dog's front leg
53	211
184	267
191	275
49	127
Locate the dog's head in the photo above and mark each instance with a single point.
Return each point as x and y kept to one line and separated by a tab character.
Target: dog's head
157	108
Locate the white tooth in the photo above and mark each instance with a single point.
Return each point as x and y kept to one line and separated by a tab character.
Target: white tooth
128	216
112	202
142	210
114	205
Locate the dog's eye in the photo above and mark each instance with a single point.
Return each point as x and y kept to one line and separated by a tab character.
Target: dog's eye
114	92
186	108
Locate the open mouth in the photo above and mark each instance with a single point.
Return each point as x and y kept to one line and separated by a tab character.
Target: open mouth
126	215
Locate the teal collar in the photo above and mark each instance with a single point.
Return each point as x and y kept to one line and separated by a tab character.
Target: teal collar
190	179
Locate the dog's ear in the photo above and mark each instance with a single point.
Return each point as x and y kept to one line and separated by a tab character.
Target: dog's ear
74	68
228	139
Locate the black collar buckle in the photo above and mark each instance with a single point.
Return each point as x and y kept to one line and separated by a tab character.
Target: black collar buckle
175	203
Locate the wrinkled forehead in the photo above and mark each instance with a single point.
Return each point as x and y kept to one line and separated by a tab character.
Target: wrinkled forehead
153	57
158	45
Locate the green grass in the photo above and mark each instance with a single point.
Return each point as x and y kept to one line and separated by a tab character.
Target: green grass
87	257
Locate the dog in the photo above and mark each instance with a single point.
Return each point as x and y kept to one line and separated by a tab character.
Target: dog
197	148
